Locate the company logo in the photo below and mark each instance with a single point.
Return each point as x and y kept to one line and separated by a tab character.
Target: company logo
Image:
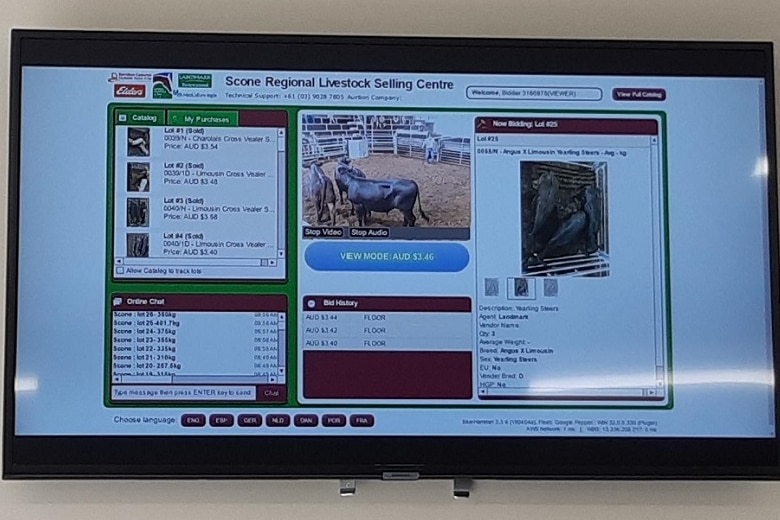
162	85
129	91
129	77
194	80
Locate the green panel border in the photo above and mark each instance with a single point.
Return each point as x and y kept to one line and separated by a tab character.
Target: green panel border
290	288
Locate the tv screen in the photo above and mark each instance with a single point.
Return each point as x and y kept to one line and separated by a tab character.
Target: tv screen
300	256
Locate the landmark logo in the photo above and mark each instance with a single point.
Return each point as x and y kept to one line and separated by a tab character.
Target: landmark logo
190	80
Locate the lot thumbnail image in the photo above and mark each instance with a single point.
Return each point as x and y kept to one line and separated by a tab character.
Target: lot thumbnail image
138	176
138	245
137	212
138	142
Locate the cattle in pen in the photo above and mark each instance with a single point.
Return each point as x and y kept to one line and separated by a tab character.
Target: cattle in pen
383	196
322	193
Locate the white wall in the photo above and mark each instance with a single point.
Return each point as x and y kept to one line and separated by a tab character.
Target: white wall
681	19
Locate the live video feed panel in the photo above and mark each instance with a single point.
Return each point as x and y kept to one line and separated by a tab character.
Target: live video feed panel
380	175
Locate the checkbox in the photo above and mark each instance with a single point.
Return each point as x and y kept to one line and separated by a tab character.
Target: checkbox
120	270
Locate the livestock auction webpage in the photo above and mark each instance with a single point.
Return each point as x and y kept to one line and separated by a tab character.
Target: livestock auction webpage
381	254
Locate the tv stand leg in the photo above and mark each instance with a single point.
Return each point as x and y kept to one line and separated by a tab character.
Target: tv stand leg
461	488
347	487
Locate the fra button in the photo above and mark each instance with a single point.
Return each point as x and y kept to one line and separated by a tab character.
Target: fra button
361	420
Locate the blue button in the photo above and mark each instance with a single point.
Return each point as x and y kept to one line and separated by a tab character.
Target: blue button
388	257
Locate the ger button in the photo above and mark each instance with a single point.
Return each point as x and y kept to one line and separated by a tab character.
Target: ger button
250	420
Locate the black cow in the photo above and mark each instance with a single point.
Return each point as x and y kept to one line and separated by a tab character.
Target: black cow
545	216
568	235
369	195
322	193
593	211
344	168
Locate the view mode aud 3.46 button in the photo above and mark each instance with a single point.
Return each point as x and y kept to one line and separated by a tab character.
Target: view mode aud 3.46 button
387	257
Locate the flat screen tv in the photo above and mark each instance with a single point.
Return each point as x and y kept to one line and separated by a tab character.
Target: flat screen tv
324	256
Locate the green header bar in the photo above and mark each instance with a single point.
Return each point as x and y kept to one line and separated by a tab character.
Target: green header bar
139	116
202	118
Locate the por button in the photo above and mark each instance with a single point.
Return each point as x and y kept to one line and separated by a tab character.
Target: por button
334	420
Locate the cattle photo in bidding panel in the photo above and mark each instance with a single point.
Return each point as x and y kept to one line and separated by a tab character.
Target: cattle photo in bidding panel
564	219
383	174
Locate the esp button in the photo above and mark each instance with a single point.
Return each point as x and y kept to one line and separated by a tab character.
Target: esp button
221	420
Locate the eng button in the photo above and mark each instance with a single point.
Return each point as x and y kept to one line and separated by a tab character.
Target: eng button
195	420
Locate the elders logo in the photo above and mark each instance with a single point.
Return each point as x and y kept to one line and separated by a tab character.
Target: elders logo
130	91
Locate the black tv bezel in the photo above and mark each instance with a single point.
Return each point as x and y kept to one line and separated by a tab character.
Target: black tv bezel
369	456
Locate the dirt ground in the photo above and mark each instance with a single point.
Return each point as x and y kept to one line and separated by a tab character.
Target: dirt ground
445	192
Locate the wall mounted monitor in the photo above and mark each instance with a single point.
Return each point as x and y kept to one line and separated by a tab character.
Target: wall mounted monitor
299	256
